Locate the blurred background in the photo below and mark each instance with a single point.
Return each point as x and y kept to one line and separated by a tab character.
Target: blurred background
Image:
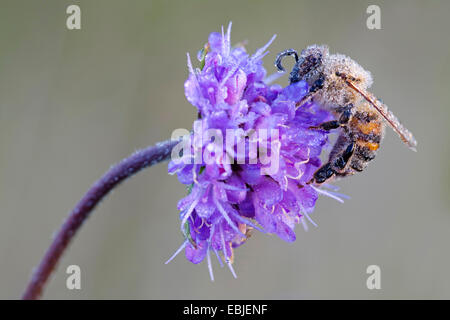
72	103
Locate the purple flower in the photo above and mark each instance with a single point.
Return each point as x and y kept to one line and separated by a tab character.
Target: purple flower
236	191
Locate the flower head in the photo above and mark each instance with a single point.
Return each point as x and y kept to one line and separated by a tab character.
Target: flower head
238	187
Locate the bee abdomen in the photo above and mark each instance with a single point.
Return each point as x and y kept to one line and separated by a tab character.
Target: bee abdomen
364	153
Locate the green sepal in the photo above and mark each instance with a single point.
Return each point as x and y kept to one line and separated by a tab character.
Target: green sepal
203	52
187	234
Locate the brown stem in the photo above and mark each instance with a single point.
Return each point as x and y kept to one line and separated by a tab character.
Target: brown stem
124	169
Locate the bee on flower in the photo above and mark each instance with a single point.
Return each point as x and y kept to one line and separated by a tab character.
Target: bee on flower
227	200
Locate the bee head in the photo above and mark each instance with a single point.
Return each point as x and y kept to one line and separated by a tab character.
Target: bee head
307	66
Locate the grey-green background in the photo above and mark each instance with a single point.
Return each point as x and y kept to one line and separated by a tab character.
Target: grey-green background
74	102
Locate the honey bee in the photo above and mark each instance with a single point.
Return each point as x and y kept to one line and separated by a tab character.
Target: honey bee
340	84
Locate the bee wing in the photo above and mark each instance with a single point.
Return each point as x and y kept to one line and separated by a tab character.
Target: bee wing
406	136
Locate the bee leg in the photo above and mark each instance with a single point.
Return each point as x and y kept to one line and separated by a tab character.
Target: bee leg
342	159
305	99
344	118
318	84
323	173
333	166
329	125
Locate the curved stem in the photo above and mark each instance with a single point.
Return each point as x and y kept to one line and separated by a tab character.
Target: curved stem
124	169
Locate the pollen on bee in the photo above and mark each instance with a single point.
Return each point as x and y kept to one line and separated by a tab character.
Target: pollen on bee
372	146
368	128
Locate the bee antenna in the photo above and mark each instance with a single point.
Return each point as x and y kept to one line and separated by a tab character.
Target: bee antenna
281	55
